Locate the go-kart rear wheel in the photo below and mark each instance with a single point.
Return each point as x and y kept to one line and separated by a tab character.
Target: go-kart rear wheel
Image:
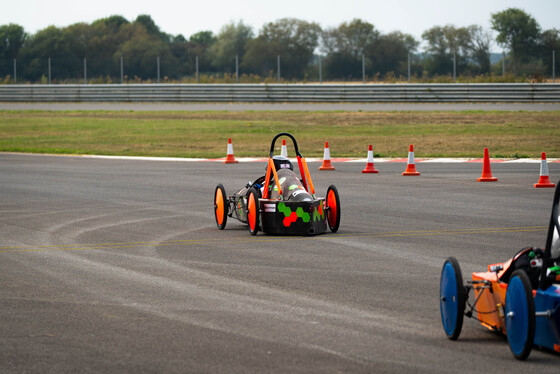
520	315
452	298
333	208
220	206
253	215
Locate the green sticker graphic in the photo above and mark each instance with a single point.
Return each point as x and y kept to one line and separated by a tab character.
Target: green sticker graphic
318	213
305	217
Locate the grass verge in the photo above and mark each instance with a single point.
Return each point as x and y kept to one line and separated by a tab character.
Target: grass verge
205	134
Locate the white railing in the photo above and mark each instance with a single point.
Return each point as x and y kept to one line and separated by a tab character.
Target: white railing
455	92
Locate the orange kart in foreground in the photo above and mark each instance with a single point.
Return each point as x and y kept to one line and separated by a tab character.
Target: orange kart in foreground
519	298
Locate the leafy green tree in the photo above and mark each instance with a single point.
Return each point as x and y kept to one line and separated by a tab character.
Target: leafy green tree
140	53
179	47
230	42
292	39
113	22
48	43
517	31
204	38
151	27
261	56
349	38
344	47
479	47
199	46
78	36
550	41
12	39
106	38
442	44
389	52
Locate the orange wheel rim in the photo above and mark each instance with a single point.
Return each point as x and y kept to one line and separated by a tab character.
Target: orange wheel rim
219	206
252	216
333	209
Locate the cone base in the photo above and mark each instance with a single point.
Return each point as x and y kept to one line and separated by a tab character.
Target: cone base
370	168
326	165
546	185
410	170
487	179
230	160
544	182
365	171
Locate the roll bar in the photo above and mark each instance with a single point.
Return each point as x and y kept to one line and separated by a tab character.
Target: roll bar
304	171
289	136
554	225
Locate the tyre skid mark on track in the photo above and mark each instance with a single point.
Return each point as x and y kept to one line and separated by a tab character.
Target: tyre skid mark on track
75	247
247	302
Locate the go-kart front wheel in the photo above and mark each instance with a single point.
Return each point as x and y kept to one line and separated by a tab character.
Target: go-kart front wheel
520	315
333	206
452	298
220	206
253	215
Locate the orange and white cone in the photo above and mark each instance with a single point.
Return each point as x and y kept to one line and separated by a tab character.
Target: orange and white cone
410	166
544	180
230	159
284	150
327	165
370	168
486	171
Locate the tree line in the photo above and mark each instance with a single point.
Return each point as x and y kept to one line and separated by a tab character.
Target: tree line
344	52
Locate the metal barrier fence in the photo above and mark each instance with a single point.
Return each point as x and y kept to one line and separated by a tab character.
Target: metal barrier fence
455	92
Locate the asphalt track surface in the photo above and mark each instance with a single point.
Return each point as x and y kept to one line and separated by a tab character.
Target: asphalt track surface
236	107
118	266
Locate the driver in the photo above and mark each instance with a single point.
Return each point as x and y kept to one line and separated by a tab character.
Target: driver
292	188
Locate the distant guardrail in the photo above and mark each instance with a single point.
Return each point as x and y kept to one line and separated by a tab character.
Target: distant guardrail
271	93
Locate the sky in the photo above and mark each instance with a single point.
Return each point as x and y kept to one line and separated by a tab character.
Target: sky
188	17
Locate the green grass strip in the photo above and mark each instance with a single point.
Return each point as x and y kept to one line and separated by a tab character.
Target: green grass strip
205	134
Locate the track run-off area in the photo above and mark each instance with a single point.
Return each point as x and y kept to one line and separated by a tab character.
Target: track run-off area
116	265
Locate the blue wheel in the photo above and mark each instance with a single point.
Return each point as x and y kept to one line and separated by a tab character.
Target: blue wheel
452	298
520	315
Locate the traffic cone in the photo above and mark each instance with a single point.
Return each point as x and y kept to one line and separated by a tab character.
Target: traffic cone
486	172
369	166
284	151
410	167
544	180
326	159
230	159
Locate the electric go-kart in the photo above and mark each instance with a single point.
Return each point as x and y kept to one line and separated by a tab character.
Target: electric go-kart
280	202
519	298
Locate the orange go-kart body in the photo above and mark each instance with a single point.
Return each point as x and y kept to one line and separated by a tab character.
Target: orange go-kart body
491	301
490	292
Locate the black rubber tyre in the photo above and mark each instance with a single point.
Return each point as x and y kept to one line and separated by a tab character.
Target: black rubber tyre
333	204
253	214
452	298
520	315
220	206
